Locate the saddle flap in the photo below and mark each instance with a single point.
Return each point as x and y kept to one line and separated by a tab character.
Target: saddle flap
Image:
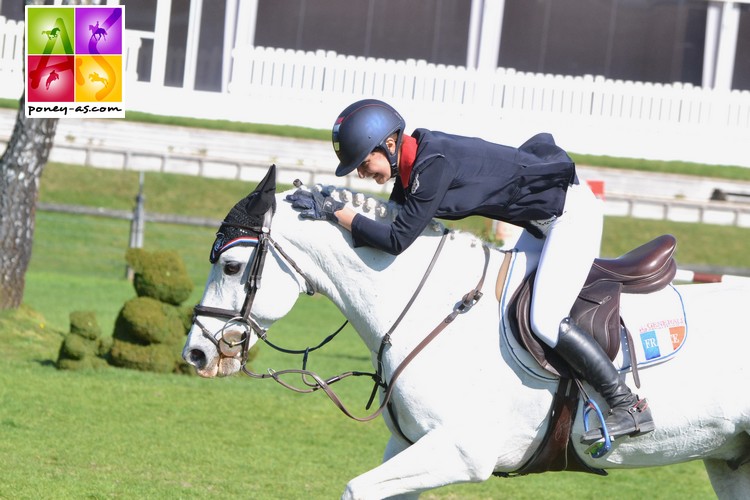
519	307
596	310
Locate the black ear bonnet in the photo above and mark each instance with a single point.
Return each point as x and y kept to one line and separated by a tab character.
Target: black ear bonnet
248	217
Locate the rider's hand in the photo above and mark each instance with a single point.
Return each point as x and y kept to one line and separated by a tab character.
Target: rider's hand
315	205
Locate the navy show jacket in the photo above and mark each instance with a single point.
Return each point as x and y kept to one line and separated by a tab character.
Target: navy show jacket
454	177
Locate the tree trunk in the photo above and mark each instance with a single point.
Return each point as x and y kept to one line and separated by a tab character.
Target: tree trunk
21	169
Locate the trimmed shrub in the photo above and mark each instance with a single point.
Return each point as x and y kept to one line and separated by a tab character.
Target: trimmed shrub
84	323
160	275
83	348
150	329
158	358
145	321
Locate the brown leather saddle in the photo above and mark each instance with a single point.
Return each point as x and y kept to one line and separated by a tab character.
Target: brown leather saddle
646	269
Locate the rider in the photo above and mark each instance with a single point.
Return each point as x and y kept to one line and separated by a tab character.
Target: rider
534	186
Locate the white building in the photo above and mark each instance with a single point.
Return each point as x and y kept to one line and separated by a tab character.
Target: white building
656	79
189	43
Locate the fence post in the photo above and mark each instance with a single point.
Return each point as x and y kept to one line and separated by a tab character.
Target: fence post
137	223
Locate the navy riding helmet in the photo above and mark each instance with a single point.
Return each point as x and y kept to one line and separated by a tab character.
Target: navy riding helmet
363	127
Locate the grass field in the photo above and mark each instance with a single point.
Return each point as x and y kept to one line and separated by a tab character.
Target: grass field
124	434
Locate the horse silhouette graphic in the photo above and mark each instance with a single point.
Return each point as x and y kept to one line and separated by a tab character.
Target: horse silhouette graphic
52	77
97	32
51	34
94	77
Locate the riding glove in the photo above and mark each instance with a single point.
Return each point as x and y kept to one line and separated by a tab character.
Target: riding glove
315	205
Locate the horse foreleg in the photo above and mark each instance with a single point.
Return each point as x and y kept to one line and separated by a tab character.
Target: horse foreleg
437	459
728	483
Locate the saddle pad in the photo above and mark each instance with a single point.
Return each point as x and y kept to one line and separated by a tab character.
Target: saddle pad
657	323
518	269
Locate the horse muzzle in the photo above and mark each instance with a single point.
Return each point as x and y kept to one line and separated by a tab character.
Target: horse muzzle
222	357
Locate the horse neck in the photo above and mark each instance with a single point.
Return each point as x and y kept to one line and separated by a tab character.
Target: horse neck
369	286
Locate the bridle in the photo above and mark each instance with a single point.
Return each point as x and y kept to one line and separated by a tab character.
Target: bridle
252	285
313	382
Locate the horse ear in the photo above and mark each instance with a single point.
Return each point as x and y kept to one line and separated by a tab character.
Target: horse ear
267	186
269	194
261	200
253	211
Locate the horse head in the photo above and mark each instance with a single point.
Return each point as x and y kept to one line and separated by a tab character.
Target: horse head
265	256
232	314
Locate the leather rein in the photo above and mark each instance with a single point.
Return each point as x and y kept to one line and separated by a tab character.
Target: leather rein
228	348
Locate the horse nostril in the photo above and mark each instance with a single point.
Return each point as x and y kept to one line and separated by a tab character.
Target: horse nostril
196	358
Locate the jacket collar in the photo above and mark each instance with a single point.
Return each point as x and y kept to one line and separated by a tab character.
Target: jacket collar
407	159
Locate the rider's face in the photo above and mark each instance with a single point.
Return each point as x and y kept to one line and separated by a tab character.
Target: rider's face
375	166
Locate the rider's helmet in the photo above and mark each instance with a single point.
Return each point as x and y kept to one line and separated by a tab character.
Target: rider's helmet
362	128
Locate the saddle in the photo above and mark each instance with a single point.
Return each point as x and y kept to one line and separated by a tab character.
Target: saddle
647	268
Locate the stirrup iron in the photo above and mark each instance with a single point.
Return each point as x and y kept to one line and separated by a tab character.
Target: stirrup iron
599	448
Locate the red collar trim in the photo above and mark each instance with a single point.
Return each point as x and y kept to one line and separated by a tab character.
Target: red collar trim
406	161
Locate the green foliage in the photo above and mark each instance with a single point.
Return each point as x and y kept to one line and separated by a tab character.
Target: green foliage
83	323
83	348
145	320
150	330
160	274
159	358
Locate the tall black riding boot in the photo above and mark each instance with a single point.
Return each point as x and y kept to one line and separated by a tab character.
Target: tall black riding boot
628	415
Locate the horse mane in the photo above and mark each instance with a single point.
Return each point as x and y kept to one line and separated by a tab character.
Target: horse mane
378	209
368	205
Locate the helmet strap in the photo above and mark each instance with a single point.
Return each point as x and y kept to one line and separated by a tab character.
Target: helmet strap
393	157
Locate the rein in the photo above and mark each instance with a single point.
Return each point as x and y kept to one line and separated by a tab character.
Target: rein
228	348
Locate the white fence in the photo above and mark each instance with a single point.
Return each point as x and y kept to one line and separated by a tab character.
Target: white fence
588	115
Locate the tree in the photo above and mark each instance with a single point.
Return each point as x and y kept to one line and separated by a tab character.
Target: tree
21	169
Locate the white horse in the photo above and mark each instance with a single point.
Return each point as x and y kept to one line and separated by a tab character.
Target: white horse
469	405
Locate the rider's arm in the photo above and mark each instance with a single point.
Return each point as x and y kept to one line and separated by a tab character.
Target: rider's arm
346	215
415	214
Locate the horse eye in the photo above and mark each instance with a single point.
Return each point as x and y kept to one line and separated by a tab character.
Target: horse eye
231	268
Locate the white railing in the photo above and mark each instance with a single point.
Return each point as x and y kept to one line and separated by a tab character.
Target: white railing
11	58
587	115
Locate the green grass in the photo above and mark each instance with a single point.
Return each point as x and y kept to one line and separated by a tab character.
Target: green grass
125	434
729	172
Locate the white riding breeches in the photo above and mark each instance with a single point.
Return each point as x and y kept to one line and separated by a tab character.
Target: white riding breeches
572	241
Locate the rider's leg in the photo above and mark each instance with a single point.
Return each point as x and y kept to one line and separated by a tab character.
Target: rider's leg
628	415
571	244
569	248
